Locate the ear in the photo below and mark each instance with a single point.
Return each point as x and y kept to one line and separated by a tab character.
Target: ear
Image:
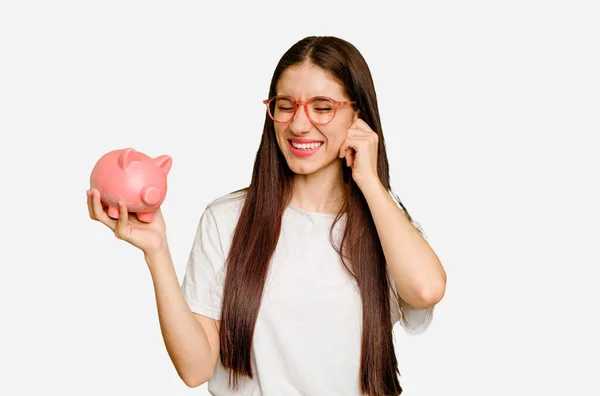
127	157
164	162
356	116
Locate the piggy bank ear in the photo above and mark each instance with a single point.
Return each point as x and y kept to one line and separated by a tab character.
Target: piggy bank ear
164	162
128	156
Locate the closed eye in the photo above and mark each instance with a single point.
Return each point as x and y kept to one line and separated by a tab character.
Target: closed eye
283	108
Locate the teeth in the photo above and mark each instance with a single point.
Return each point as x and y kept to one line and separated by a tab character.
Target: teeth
307	146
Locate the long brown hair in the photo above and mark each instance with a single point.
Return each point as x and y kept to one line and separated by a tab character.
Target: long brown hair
259	225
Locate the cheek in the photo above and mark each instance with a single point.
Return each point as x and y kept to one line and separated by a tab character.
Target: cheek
279	130
337	131
335	138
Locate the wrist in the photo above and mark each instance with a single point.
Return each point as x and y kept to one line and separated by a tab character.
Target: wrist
157	254
370	186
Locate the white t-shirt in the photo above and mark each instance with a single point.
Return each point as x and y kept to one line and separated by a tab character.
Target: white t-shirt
307	338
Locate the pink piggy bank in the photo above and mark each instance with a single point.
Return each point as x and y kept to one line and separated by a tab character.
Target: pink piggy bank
134	178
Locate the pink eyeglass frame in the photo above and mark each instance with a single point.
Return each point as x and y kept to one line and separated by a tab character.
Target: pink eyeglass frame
305	103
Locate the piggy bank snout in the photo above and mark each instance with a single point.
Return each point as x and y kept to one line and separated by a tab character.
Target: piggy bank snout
151	195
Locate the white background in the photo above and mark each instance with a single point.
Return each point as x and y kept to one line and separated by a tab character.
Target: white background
491	115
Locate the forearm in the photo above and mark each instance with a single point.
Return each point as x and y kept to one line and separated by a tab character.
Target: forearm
185	339
415	268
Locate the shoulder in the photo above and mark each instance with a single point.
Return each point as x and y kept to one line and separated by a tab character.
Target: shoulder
231	202
218	221
224	211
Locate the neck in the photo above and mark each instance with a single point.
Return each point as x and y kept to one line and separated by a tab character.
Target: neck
321	192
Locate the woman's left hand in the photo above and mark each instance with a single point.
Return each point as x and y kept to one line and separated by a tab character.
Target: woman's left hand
360	150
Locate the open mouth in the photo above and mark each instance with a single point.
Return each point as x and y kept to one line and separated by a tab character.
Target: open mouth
306	146
304	149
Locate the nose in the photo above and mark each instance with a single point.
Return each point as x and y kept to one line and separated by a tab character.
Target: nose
300	124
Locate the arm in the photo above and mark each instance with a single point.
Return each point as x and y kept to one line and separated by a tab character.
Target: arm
416	270
192	340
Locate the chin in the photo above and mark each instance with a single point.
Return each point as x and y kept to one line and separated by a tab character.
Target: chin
303	168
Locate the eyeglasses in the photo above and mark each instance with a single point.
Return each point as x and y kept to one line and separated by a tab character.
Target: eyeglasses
319	109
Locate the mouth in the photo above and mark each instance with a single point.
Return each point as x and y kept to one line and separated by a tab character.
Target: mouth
304	148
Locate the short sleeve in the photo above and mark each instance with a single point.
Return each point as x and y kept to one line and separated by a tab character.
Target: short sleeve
412	319
202	284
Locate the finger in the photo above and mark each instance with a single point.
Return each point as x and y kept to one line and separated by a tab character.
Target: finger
348	147
90	203
353	144
349	158
122	221
100	214
343	149
361	124
356	132
355	124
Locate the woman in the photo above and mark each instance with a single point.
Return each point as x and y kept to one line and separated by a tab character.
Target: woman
294	283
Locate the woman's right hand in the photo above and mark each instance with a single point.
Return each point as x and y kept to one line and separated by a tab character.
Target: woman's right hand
149	237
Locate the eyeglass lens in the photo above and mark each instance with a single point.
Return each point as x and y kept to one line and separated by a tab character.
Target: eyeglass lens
319	110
